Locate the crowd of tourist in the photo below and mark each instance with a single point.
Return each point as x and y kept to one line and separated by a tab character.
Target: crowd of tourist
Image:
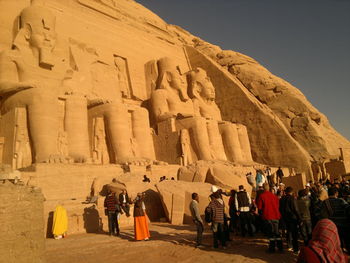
313	223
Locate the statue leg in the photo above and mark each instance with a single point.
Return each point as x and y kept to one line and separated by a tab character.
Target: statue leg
76	124
43	125
119	131
142	133
231	141
215	140
244	141
198	129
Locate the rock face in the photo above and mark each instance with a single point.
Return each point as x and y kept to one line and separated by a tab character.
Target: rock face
309	127
21	224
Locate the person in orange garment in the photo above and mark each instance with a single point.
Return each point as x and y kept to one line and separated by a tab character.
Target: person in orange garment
140	219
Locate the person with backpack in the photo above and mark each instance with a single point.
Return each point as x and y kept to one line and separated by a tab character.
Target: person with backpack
197	219
243	203
215	215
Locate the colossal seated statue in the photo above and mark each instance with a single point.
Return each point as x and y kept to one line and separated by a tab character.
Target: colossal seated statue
30	78
170	101
115	128
234	136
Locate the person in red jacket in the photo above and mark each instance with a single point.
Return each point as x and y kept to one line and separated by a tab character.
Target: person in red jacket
268	205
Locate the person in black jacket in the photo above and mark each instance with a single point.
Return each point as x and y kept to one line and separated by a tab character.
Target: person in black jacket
243	203
337	209
125	202
290	215
304	204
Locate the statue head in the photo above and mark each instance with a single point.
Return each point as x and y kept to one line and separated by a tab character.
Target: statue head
169	75
37	27
200	85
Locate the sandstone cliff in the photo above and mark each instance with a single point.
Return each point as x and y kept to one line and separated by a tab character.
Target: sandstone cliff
307	127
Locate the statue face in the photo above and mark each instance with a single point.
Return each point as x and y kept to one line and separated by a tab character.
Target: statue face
43	38
178	82
208	90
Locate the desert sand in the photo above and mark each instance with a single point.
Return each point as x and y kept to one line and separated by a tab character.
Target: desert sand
168	243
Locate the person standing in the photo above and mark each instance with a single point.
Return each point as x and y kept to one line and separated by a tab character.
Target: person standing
291	218
324	245
280	175
217	208
111	210
124	202
233	211
336	209
304	204
268	205
243	203
259	178
197	219
140	219
268	175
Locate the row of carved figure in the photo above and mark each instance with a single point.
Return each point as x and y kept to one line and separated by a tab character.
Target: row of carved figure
72	109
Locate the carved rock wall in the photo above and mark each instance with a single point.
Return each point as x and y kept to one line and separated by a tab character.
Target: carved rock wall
309	127
21	224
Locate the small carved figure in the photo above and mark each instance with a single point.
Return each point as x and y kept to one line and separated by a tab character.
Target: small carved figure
62	143
186	157
122	76
100	151
22	153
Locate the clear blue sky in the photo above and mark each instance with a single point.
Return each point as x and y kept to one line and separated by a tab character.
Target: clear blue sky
306	42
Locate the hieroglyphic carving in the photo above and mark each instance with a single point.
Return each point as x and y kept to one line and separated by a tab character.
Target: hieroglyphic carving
123	76
107	7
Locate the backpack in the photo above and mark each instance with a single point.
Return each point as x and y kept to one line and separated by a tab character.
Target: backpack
208	214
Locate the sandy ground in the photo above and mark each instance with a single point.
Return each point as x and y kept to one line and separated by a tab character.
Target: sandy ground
168	244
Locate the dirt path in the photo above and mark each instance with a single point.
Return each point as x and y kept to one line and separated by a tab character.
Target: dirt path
168	244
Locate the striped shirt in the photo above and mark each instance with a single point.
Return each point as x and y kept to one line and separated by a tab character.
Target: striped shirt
217	206
110	202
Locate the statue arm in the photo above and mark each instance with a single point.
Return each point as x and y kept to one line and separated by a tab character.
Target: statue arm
9	82
196	108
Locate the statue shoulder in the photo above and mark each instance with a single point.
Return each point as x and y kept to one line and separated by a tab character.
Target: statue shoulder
159	94
9	55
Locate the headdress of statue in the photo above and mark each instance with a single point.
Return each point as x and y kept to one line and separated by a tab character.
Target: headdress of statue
169	75
200	85
37	28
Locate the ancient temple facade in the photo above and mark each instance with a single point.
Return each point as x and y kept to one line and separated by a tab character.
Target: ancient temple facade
95	90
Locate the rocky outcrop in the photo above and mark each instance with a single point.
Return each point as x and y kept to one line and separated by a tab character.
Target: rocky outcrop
309	127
